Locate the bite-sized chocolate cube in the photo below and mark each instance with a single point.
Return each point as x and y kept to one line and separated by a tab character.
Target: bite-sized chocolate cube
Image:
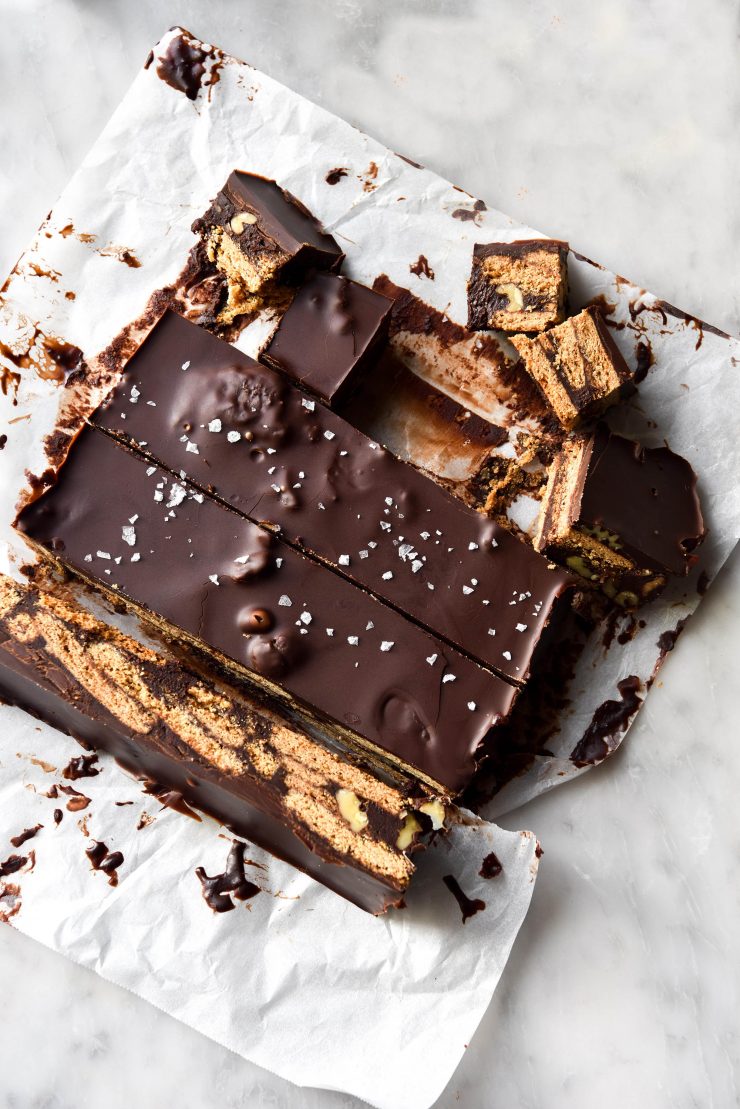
518	286
577	365
330	335
257	233
621	515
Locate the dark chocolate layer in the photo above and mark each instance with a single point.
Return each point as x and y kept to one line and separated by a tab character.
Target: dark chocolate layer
330	335
299	629
239	429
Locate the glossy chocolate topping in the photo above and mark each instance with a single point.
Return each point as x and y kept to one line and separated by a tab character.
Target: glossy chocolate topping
207	571
645	495
240	429
329	334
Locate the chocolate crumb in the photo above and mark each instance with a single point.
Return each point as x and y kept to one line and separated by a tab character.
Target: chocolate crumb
334	176
491	866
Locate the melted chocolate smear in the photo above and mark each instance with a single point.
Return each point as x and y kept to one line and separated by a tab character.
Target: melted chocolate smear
473	214
610	719
170	799
491	866
409	161
53	360
3	439
12	865
83	766
182	67
606	306
645	359
703	583
629	632
334	176
58	814
219	890
667	640
77	801
468	906
670	309
538	851
422	268
149	59
29	833
10	902
103	859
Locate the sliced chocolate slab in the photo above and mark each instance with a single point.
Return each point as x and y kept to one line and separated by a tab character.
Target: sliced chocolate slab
207	411
216	747
318	643
330	336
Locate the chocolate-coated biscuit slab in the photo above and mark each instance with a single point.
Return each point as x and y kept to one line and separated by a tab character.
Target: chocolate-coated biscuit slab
520	286
256	234
294	628
243	431
621	514
577	365
221	751
330	336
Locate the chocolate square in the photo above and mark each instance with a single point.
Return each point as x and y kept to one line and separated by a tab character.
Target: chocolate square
519	286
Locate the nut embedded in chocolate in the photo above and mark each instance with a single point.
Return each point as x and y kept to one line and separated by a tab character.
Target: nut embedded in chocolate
621	515
577	365
330	335
257	234
519	286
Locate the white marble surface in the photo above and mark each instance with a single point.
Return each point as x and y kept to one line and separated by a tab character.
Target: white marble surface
624	985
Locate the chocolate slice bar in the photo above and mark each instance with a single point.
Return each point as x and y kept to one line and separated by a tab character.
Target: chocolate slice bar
621	515
203	409
577	365
330	335
519	286
222	751
320	645
256	234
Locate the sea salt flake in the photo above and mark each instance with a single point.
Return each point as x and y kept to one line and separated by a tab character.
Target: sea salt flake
386	645
152	469
369	626
233	436
214	579
134	395
215	425
102	554
185	366
353	640
343	560
88	558
309	404
416	565
507	655
385	525
471	706
330	631
128	535
431	659
364	554
134	518
448	678
285	601
329	435
192	448
430	586
306	618
135	557
466	590
372	544
521	627
387	575
177	495
472	546
491	631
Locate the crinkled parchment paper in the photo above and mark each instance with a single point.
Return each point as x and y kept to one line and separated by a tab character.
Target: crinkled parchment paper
295	979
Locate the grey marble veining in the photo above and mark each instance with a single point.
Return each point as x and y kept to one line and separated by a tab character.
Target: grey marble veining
612	125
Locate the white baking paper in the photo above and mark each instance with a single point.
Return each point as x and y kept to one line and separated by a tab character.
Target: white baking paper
297	980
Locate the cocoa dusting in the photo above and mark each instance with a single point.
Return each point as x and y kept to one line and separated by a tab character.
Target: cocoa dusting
219	890
609	720
468	906
491	866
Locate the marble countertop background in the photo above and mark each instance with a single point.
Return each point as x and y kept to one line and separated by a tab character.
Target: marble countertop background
613	126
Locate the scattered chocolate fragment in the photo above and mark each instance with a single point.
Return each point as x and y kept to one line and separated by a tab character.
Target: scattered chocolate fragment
82	766
468	906
220	892
257	234
103	859
577	365
610	720
330	336
519	286
12	865
491	866
621	515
